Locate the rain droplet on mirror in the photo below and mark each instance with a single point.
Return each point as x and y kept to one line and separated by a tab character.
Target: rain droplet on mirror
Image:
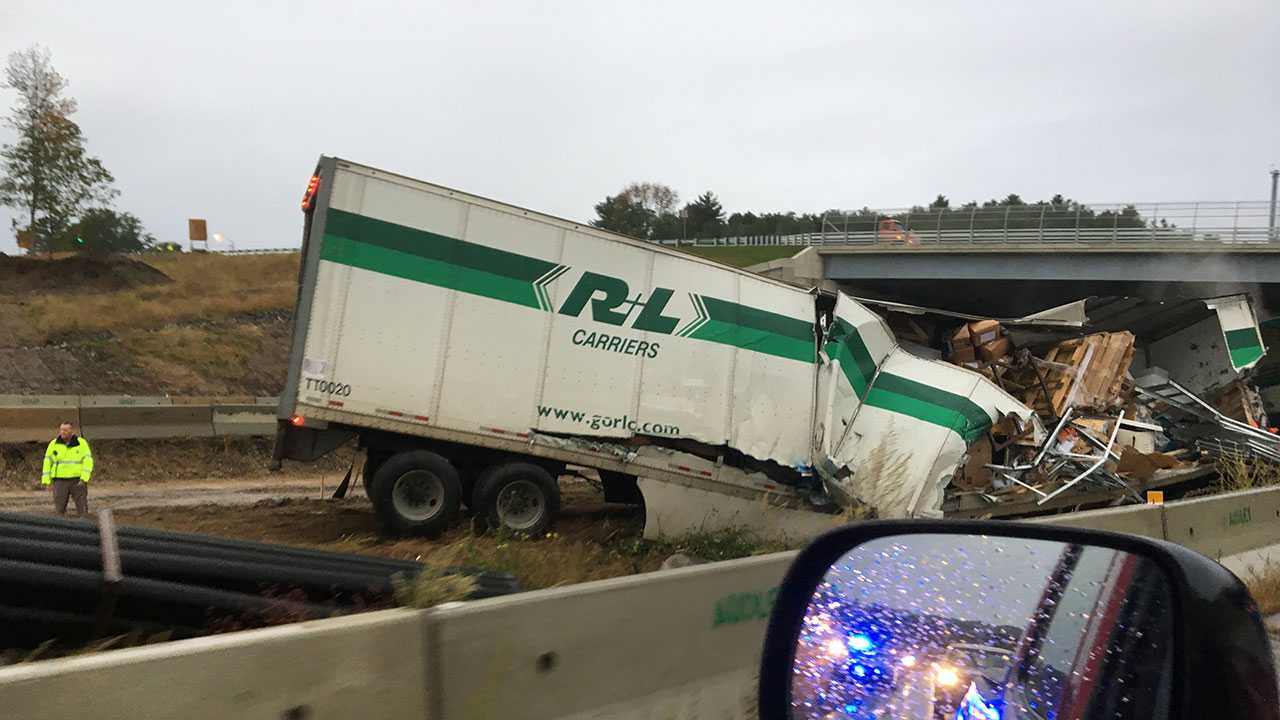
976	607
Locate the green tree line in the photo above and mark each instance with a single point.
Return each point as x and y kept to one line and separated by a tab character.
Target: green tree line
633	211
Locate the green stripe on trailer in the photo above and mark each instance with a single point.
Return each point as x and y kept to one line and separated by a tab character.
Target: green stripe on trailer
432	246
749	328
1244	345
414	267
846	345
435	259
923	402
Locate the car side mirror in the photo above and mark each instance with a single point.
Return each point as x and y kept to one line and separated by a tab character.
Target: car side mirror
1002	620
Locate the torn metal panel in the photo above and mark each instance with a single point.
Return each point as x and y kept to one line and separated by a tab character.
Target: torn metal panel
1239	330
1195	356
1193	418
856	344
1071	314
911	432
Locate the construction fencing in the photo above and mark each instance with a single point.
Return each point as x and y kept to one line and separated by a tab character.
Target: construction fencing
35	418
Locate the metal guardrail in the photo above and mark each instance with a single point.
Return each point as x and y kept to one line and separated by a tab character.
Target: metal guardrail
248	251
1216	223
258	251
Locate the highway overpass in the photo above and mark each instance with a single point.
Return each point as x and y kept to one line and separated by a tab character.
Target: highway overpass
1017	279
1014	260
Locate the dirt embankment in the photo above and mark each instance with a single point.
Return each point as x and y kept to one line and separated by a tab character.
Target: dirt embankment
174	325
25	276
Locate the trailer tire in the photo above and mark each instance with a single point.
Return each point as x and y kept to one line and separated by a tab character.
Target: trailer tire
416	493
518	496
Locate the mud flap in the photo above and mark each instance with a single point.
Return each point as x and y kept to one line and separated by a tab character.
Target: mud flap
343	486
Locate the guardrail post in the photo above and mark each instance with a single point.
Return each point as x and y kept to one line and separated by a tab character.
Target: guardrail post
1155	220
1235	223
1042	210
1077	238
972	215
938	229
1115	226
1195	217
1007	208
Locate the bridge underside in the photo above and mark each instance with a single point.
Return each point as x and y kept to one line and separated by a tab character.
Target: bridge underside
1057	264
1016	298
1012	283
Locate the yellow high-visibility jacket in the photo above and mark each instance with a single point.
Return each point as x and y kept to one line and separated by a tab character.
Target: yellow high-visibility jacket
67	462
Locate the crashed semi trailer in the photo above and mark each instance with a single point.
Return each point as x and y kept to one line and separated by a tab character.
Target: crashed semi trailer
476	350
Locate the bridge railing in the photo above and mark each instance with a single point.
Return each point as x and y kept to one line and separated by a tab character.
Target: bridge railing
1217	223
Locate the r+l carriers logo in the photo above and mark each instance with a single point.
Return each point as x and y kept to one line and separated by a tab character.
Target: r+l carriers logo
611	303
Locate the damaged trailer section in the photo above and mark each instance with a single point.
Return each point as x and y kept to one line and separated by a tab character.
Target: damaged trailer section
898	426
499	340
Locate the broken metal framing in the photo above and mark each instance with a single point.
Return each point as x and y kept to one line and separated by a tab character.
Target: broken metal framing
1100	459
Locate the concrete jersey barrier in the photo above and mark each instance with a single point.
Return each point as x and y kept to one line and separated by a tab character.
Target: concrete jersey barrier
674	644
35	418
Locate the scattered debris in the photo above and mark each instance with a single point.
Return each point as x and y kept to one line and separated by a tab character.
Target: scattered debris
1121	423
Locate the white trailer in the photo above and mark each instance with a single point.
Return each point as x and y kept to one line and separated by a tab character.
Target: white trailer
476	349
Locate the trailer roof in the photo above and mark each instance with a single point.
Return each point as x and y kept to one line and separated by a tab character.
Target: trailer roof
581	227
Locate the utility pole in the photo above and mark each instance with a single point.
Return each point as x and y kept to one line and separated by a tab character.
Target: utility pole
1271	223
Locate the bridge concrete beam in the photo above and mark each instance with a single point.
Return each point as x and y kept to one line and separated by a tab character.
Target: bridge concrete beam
1063	265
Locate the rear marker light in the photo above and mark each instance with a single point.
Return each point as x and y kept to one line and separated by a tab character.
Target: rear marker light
309	197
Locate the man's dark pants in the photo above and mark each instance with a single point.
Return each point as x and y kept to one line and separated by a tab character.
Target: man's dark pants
73	488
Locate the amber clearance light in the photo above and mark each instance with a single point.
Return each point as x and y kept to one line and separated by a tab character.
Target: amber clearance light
308	199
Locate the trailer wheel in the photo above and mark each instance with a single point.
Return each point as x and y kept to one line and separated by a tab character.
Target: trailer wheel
521	497
416	493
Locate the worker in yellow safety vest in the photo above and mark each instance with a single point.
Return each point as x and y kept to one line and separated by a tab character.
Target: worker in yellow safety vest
68	464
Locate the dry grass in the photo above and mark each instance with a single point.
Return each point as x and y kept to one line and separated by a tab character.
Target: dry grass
204	287
1264	586
546	562
432	587
219	353
591	542
743	256
1240	473
581	553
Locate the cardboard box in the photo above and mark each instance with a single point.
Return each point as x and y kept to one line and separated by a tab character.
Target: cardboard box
961	339
995	349
960	356
983	331
973	474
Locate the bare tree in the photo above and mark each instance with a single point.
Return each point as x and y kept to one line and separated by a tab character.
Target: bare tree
47	174
654	197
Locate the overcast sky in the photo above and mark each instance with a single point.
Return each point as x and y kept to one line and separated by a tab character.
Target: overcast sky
220	109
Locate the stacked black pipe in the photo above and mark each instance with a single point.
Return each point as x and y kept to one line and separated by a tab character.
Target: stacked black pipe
51	582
